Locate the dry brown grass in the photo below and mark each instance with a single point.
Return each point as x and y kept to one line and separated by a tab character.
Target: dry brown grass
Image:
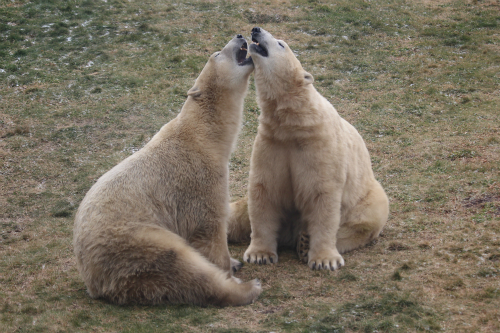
419	80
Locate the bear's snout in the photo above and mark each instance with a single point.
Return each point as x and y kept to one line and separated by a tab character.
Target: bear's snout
256	30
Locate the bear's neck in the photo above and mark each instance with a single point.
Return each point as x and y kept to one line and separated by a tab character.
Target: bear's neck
214	122
298	108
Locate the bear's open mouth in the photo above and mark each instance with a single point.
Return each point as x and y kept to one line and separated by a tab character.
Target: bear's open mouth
259	48
241	55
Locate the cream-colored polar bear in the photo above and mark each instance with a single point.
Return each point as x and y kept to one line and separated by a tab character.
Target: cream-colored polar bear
310	172
153	228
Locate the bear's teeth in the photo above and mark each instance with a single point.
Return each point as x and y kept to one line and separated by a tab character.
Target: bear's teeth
243	49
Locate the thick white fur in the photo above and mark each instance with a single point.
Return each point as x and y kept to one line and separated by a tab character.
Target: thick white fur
153	228
310	171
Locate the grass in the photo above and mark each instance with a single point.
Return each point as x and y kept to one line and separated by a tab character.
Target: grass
83	84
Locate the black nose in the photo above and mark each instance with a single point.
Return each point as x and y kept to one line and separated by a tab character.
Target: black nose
239	36
256	30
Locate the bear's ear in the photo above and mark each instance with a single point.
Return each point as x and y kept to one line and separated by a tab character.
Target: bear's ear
194	92
308	78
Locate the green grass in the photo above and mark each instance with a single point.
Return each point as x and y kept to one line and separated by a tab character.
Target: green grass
84	84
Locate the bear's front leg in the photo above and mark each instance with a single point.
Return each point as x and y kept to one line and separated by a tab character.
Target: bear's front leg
322	216
265	222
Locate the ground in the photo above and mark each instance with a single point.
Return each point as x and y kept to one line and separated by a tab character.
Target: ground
83	84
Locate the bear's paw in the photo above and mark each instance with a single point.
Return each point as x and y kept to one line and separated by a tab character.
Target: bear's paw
325	260
260	257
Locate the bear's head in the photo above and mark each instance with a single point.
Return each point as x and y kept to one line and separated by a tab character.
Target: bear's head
278	73
226	72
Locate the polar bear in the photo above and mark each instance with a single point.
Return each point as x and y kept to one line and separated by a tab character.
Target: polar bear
153	228
310	184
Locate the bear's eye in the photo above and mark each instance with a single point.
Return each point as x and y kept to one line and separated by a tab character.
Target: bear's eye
281	45
218	53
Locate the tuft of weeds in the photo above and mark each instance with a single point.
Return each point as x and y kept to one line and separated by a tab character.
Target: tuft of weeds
407	266
62	208
465	153
489	293
18	130
454	284
397	276
346	276
391	312
397	246
262	18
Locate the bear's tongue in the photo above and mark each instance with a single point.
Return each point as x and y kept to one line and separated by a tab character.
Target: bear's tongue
242	53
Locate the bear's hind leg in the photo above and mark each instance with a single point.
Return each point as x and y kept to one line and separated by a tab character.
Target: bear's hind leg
154	265
355	235
365	222
238	225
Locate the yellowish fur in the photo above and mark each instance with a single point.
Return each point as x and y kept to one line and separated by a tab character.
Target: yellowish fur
238	226
310	171
153	228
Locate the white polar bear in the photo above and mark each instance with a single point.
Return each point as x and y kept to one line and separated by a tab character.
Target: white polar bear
310	172
153	228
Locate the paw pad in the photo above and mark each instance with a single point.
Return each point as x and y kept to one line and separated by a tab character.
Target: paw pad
303	246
